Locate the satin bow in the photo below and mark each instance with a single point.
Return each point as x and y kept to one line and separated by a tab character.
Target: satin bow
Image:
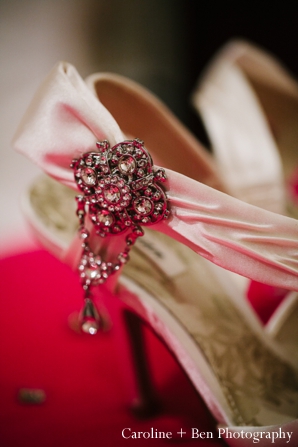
65	119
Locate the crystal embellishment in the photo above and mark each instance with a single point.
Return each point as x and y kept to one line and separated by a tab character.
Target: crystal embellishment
118	193
105	218
127	164
90	320
88	176
121	192
112	194
143	206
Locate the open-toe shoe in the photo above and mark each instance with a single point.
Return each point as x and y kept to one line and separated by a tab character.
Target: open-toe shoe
249	104
250	387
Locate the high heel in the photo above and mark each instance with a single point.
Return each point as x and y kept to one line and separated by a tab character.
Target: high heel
243	377
146	402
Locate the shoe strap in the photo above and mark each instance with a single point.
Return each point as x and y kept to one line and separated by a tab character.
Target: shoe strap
65	120
241	138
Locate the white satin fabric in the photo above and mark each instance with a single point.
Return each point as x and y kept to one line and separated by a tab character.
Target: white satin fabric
241	139
65	119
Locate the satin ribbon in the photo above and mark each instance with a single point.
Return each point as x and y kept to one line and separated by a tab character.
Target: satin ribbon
65	119
241	139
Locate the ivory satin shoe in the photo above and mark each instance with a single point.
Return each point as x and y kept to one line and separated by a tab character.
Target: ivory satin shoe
89	136
249	104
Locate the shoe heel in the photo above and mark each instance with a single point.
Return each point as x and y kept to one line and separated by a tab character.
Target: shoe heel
145	403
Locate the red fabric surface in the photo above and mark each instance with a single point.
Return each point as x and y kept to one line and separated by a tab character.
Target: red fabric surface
82	376
265	299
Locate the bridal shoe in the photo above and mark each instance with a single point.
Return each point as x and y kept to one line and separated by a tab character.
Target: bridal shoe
249	104
244	378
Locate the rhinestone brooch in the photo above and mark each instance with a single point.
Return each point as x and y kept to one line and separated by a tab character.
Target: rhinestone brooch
120	193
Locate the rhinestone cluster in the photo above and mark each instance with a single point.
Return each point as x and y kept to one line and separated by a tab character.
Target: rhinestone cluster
120	192
119	186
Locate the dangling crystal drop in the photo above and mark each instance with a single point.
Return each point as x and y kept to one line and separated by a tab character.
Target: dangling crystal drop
90	320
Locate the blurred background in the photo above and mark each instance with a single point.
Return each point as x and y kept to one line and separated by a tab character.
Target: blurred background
163	44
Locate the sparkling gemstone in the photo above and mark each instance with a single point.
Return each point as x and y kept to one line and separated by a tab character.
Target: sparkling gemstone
97	259
130	240
92	273
159	206
161	175
138	231
103	146
166	214
127	164
90	326
112	194
84	233
123	258
88	176
104	266
143	206
105	218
